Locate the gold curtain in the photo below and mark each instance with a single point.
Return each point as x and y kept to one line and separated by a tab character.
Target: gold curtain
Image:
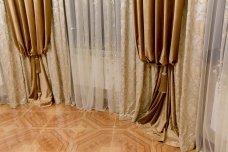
30	23
157	31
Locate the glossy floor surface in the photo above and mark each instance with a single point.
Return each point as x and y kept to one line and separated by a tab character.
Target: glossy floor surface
64	128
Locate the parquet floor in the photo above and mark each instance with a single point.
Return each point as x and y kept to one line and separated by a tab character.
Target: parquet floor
64	128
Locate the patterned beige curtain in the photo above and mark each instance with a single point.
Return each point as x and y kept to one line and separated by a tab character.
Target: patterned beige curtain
139	78
157	32
17	68
3	96
30	23
136	76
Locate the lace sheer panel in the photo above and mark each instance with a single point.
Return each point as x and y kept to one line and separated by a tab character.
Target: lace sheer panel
94	37
211	132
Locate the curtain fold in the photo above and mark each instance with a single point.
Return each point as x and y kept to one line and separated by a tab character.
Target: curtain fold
3	95
30	23
94	40
16	68
212	111
186	82
157	33
161	97
158	25
11	61
136	87
137	79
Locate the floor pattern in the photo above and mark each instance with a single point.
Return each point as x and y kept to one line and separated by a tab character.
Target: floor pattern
67	129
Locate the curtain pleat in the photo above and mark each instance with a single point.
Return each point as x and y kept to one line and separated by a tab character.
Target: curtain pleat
30	22
187	75
58	59
94	40
3	94
211	132
16	68
11	62
138	79
158	25
161	97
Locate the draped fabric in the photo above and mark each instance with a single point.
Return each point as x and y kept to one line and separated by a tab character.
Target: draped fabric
212	135
30	23
1	80
94	38
123	72
16	68
157	33
3	96
10	60
187	80
158	25
137	79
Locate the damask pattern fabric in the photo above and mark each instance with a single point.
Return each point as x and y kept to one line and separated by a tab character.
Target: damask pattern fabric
187	75
58	57
137	80
188	71
157	35
16	67
3	96
30	24
11	62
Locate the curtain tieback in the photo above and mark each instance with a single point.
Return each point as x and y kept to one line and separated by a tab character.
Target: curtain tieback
163	83
37	65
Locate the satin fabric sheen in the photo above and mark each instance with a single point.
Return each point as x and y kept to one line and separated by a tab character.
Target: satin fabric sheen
30	23
157	35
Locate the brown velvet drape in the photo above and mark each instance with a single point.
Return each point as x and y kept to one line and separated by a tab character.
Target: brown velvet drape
157	30
30	22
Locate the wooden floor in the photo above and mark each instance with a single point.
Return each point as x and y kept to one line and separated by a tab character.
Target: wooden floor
65	128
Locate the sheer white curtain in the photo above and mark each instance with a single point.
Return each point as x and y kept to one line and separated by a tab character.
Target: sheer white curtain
212	129
94	40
